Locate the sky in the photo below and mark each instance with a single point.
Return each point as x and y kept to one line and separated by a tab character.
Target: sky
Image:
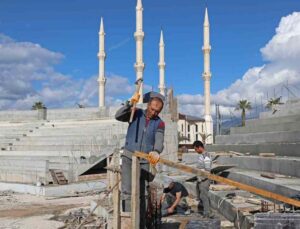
48	50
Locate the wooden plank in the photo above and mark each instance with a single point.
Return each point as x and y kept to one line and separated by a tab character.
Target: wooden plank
210	176
135	193
116	196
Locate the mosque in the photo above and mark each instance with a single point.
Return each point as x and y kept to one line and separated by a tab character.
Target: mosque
205	124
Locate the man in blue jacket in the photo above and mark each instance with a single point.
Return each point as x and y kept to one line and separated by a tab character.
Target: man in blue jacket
145	133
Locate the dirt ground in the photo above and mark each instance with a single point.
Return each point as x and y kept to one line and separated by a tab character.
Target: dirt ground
21	211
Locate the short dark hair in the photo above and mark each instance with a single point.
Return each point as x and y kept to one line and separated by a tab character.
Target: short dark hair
198	144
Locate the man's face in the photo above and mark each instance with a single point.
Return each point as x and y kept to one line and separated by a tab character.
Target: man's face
199	149
154	108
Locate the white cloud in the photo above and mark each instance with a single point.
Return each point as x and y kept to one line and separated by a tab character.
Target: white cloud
282	53
28	75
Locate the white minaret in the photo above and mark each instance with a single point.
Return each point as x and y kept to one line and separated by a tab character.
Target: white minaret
139	37
206	77
162	65
101	57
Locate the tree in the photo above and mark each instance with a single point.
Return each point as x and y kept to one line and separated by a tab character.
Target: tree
204	137
273	104
38	105
243	105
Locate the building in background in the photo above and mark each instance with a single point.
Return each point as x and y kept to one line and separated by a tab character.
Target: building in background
190	129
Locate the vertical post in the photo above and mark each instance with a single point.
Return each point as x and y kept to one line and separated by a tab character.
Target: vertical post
135	193
116	193
109	173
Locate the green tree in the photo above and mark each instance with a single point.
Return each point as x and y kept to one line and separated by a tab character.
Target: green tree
38	105
273	104
243	105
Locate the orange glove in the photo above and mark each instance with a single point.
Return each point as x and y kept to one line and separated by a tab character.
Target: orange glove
153	157
135	98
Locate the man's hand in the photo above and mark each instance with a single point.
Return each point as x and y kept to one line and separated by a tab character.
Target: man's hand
153	157
135	98
170	210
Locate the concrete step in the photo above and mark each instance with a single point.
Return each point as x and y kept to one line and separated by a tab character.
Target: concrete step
273	120
281	165
82	132
286	186
74	147
256	138
72	137
280	149
289	108
66	153
289	126
58	142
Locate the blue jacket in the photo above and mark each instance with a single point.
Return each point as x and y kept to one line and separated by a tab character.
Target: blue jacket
142	134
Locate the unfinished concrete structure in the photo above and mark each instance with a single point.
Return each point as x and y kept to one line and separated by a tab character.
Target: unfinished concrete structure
278	133
71	140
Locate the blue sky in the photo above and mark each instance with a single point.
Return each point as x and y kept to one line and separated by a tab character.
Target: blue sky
239	29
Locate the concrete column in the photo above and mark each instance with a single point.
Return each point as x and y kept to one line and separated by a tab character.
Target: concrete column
162	65
139	38
206	77
101	57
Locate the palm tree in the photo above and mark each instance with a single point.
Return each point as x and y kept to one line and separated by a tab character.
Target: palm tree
38	105
273	104
243	105
204	137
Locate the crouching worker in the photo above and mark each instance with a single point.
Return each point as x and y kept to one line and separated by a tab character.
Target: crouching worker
145	133
204	162
174	200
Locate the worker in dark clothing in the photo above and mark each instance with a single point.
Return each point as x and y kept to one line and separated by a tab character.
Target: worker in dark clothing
145	133
174	199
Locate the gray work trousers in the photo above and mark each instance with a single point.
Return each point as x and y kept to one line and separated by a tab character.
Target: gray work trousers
145	177
169	200
202	191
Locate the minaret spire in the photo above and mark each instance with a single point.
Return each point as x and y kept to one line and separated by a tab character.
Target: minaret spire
101	57
206	77
161	64
139	38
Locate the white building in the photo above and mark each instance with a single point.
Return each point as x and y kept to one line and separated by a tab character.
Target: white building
190	129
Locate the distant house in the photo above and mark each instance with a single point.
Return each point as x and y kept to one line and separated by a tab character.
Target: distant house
190	129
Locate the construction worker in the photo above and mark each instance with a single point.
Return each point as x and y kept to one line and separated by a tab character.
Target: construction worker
174	199
145	133
204	162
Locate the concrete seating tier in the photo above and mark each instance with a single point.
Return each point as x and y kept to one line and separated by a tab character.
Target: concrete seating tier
277	133
255	138
280	149
278	126
281	165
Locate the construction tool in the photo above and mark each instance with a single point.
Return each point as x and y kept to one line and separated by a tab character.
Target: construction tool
210	176
137	91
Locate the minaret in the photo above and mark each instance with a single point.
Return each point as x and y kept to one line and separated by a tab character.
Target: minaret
139	37
101	57
162	65
206	77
